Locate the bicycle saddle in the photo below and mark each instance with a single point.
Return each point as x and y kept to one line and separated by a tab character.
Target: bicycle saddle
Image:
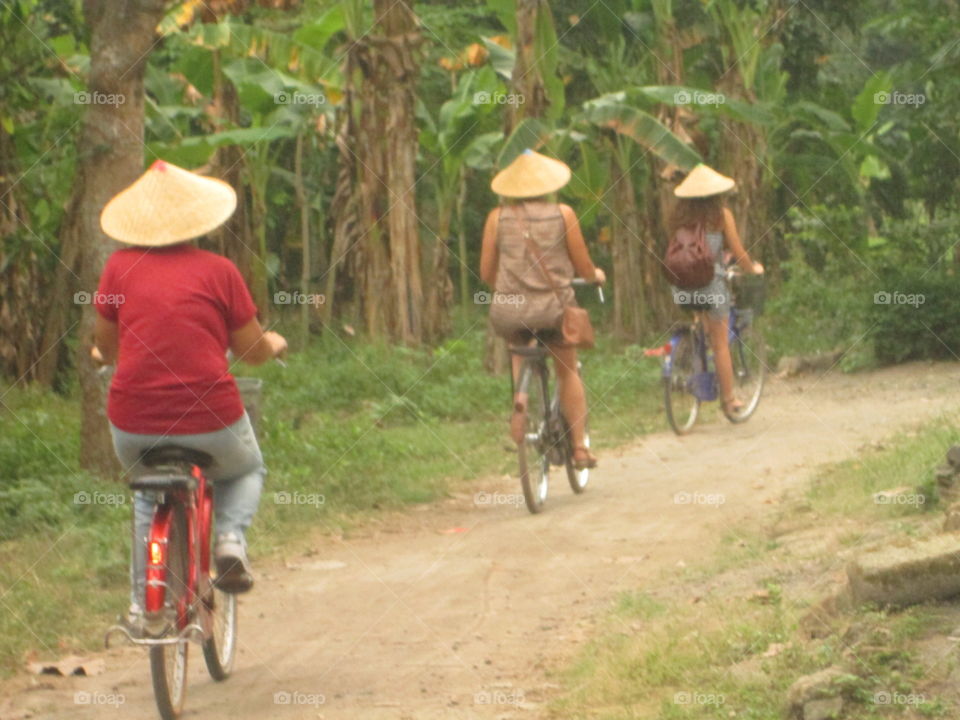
528	350
175	455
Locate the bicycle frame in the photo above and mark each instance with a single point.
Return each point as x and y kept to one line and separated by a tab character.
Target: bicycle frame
554	432
705	385
197	505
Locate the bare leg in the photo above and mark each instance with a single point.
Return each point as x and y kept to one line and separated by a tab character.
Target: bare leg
518	419
573	397
719	331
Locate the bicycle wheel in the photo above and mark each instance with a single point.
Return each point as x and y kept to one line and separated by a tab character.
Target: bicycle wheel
534	451
681	404
748	352
220	649
168	663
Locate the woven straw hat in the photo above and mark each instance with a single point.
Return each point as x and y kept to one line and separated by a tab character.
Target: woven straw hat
704	181
531	175
167	205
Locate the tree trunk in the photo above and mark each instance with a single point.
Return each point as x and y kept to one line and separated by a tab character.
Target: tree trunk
234	239
629	306
462	241
527	79
376	224
440	289
305	262
21	279
111	157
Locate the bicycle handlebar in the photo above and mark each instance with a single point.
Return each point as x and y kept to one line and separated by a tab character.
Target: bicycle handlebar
580	282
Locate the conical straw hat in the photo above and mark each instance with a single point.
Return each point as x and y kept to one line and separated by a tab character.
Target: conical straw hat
167	205
704	181
531	175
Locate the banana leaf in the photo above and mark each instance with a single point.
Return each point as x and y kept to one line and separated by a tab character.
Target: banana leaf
642	128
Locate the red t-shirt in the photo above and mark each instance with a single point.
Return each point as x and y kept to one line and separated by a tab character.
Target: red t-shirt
175	308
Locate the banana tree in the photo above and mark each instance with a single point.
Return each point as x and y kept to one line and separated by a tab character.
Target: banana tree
457	140
263	91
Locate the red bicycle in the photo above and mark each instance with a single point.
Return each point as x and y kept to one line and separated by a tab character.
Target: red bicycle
182	602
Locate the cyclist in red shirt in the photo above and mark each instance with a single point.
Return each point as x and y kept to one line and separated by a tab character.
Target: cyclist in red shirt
167	312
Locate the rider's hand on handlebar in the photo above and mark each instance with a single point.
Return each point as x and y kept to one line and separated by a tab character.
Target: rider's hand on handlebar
757	268
278	344
97	356
601	276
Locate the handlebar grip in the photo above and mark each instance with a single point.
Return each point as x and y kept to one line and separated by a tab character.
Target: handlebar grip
580	282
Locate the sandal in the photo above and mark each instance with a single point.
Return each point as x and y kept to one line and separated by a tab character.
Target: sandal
583	459
732	407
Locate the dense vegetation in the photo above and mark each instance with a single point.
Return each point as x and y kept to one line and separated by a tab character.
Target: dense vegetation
358	134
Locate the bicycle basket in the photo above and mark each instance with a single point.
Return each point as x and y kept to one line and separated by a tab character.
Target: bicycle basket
703	386
750	292
251	392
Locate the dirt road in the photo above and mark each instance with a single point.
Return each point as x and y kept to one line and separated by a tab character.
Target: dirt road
468	608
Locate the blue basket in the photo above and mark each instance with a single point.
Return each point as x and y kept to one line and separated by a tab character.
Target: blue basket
703	385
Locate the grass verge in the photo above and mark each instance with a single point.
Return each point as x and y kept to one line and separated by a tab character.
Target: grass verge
729	638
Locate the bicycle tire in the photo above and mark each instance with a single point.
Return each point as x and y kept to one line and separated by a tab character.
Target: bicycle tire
168	663
748	353
681	405
533	452
220	649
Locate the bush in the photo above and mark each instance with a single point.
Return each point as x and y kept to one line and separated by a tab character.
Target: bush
887	298
915	315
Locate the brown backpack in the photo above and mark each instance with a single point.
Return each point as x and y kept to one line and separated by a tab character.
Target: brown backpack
688	262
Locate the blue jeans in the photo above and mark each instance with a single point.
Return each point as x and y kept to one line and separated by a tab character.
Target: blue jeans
237	473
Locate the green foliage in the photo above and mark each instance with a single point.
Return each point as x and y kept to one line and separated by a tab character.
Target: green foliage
909	459
820	304
611	111
914	316
887	298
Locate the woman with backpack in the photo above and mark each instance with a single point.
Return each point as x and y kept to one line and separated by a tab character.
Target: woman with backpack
701	216
532	249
